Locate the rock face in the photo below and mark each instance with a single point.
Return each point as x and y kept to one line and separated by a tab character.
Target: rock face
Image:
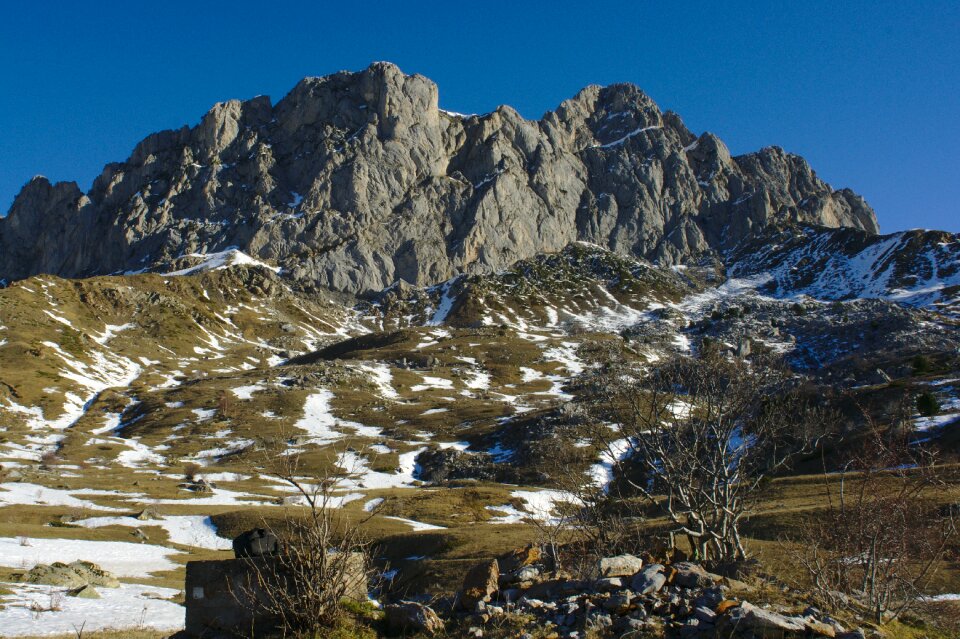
356	180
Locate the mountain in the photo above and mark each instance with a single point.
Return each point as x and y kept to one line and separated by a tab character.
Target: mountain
419	306
354	181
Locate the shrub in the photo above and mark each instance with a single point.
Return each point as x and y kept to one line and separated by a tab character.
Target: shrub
927	404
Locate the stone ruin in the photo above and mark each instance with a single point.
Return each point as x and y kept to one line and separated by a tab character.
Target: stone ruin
223	597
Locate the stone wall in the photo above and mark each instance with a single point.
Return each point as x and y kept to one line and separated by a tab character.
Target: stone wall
221	596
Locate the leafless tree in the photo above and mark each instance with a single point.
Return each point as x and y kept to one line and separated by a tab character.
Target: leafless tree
697	437
584	524
323	560
878	543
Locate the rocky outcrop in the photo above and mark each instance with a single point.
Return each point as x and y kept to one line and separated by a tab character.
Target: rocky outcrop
356	180
74	575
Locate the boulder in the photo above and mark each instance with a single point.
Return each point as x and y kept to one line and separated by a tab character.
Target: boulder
256	543
147	513
618	604
619	566
480	583
608	584
519	557
55	574
819	628
74	575
84	592
690	575
761	622
649	580
409	616
94	575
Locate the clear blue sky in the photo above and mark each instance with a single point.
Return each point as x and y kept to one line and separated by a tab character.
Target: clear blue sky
868	92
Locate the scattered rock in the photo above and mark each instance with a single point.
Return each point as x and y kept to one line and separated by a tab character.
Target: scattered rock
619	566
409	616
649	580
84	592
760	621
480	583
146	514
690	575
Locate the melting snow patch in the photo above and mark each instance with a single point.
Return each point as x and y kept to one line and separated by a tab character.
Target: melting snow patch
36	495
380	376
129	606
197	531
417	525
371	505
122	558
433	382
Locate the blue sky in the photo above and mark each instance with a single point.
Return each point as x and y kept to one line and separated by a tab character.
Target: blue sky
868	92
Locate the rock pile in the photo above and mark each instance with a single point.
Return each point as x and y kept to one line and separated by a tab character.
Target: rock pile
623	595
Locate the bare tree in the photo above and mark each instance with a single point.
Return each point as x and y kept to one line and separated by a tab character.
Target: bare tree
878	543
698	436
323	559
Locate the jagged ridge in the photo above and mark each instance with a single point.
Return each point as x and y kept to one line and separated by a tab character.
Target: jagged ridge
356	180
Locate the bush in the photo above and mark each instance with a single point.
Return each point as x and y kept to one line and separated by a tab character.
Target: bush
921	365
927	404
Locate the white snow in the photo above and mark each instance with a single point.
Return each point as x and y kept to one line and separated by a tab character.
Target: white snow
540	505
371	505
530	374
602	471
319	422
380	376
221	260
432	382
626	137
36	495
124	559
362	476
246	392
417	525
478	380
445	305
126	607
188	530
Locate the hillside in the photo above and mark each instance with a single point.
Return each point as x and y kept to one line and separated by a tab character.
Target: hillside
421	306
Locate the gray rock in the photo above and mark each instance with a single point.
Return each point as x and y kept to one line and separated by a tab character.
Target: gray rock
705	614
356	180
746	616
84	592
649	580
690	575
74	575
608	584
410	616
619	566
618	604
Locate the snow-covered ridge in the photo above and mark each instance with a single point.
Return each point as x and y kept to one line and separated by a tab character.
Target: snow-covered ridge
917	268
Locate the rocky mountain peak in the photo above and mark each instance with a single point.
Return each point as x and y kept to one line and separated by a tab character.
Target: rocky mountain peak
357	179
